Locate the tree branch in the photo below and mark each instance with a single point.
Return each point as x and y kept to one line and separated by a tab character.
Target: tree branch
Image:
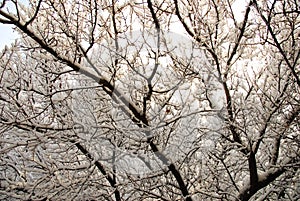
100	167
263	180
241	34
278	46
128	107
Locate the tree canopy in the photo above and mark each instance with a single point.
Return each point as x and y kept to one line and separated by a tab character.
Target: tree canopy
150	100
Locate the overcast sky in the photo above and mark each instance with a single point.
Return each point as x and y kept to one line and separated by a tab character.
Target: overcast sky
7	35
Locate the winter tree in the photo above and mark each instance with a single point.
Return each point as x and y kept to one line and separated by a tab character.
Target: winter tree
150	100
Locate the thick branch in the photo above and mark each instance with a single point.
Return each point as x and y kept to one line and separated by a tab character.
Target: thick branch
100	167
172	168
153	14
263	180
252	169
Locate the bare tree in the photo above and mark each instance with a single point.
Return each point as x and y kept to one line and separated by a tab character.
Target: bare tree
155	100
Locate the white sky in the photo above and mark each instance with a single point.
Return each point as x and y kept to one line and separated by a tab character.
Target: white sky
7	35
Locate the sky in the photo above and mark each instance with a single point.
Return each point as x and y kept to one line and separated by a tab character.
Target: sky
7	35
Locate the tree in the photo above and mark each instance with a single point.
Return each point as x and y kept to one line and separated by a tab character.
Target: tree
105	100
